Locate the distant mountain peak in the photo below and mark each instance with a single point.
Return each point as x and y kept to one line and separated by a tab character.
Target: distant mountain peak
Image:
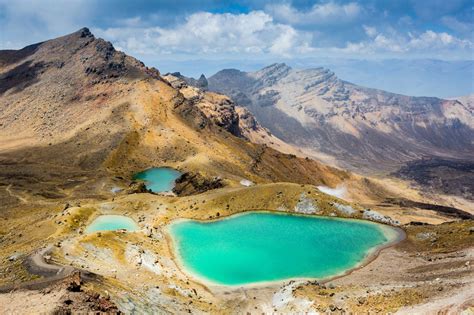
275	68
359	127
230	71
85	32
276	65
272	73
200	83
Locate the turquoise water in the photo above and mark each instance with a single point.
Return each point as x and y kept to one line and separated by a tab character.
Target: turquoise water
111	223
261	246
159	179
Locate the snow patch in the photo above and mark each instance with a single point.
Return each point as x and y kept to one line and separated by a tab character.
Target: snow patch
246	183
340	191
115	190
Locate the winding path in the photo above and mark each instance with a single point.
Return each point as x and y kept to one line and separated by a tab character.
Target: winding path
14	195
36	264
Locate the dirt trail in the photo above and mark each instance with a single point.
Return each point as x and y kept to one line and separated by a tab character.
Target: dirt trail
11	193
37	264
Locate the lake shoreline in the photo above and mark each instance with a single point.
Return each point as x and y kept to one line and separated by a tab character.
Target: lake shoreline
399	236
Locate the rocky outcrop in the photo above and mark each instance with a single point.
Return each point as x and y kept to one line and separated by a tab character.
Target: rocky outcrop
195	183
137	188
221	110
216	107
200	83
78	299
247	121
306	205
378	217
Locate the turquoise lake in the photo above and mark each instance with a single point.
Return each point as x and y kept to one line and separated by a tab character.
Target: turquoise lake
159	179
112	223
262	246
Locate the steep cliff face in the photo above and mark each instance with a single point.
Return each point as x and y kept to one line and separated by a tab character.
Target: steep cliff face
363	129
222	111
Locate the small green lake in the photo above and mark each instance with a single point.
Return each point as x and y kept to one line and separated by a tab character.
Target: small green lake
159	179
262	246
112	223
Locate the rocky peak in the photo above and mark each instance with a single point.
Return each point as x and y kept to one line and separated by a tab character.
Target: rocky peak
85	32
271	74
229	72
202	82
79	56
276	67
175	79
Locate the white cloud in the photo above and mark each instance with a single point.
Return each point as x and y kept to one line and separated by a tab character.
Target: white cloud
279	30
433	40
257	33
320	13
370	31
208	33
394	42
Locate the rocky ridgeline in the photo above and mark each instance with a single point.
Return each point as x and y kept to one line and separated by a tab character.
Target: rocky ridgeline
97	58
271	74
363	129
218	108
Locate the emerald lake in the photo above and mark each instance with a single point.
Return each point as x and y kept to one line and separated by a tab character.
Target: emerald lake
112	223
159	179
261	246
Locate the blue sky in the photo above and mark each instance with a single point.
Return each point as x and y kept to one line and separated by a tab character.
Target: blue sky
179	31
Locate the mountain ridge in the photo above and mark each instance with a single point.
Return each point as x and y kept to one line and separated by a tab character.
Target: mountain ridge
331	117
87	94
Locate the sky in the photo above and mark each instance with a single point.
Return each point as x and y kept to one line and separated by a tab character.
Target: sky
178	31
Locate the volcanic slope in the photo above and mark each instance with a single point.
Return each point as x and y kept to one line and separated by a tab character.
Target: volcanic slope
75	102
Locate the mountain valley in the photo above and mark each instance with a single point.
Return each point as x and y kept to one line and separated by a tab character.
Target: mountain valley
78	119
